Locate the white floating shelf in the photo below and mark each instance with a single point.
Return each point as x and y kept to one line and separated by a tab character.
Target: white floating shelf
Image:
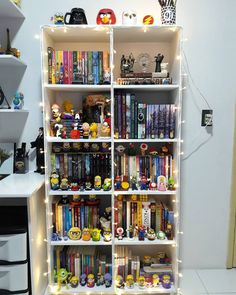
10	9
78	87
80	243
76	193
147	87
146	140
144	192
12	132
58	139
10	60
146	242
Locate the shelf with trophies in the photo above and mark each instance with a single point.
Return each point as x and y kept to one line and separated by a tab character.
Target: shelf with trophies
112	113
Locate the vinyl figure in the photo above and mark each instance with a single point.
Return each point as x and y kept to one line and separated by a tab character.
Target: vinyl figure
99	280
148	20
171	184
94	130
108	280
95	233
63	277
74	185
83	279
107	184
90	281
64	185
166	281
130	281
77	17
147	260
86	234
141	233
74	282
158	59
97	183
86	129
120	282
18	101
106	16
105	130
141	282
75	133
134	183
131	232
143	148
151	235
107	235
161	183
161	235
54	179
74	233
144	185
56	114
39	145
120	233
117	183
155	280
129	18
58	19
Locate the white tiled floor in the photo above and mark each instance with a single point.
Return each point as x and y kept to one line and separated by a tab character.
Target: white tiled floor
210	282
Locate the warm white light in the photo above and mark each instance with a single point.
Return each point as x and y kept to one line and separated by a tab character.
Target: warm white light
178	57
114	51
182	140
183	122
176	215
45	240
45	274
48	260
65	30
46	201
51	213
180	232
52	30
112	67
184	88
145	29
179	261
182	153
41	104
36	36
180	275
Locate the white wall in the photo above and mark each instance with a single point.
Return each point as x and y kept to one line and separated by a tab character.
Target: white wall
211	32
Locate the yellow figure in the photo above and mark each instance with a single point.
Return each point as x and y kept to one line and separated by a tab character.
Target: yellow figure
130	281
94	130
74	233
97	183
95	233
155	280
141	282
86	234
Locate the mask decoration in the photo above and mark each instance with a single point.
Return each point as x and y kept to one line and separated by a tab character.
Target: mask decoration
77	17
106	16
148	20
129	18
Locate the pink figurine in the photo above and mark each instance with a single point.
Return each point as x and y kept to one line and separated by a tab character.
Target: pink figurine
161	183
120	232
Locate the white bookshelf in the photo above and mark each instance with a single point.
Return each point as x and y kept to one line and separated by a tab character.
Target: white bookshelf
116	39
8	9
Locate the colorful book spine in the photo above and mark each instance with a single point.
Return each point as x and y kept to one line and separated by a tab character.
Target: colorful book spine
128	117
132	114
90	68
66	67
75	68
161	122
172	122
123	113
100	67
95	64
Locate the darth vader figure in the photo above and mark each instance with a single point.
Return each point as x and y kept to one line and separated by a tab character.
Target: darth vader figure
39	145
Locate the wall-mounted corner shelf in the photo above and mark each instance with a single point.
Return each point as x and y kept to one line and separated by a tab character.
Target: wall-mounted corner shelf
14	122
10	61
10	9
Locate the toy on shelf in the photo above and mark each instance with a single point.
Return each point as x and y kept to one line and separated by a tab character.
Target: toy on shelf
90	281
86	236
106	16
120	282
58	18
168	12
107	184
141	282
120	233
151	235
54	178
108	280
130	281
74	233
18	101
56	114
148	20
97	183
83	279
107	236
155	280
11	51
161	183
39	145
77	17
17	2
94	130
100	280
74	282
64	185
166	281
161	235
141	233
129	18
95	233
63	278
86	130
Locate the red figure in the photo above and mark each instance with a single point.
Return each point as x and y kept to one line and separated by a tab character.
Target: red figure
106	16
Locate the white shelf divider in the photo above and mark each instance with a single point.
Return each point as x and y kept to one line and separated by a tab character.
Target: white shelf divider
11	61
146	242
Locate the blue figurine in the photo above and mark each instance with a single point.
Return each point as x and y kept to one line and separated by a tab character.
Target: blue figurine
18	101
83	278
108	280
55	237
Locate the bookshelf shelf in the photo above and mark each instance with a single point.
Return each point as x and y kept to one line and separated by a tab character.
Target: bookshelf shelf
80	243
58	139
81	88
146	140
136	242
79	290
147	87
167	99
75	193
144	192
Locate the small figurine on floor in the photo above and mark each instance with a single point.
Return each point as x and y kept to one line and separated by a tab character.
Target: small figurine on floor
39	145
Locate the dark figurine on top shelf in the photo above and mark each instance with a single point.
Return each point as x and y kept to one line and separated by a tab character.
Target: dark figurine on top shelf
39	145
158	59
77	17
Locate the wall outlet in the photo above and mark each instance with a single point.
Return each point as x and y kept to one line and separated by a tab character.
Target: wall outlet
207	117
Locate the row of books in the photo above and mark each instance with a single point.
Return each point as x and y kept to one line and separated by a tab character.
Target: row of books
78	261
151	214
78	67
149	166
82	166
70	215
136	120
